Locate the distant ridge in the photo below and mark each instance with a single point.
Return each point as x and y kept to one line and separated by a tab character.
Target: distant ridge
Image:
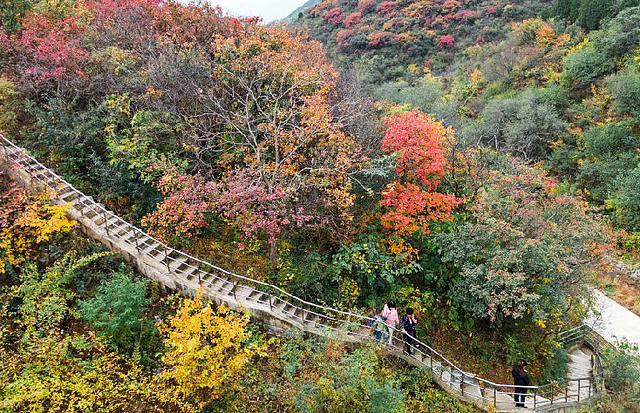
294	14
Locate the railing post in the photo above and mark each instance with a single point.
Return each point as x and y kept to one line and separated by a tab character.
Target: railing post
551	393
135	237
106	222
233	289
578	390
534	399
566	392
166	259
495	398
270	303
462	385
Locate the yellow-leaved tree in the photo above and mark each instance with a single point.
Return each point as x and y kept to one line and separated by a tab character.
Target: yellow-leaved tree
205	350
26	222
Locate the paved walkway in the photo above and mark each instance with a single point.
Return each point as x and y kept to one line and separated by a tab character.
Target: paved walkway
614	321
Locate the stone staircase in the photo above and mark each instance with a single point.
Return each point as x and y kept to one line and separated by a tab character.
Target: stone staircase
179	271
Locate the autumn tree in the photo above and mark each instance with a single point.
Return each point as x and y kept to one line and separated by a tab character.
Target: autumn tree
205	350
27	222
262	129
47	48
527	252
412	201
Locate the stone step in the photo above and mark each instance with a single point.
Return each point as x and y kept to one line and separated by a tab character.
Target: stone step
223	285
190	273
258	296
102	220
178	263
311	319
69	195
82	205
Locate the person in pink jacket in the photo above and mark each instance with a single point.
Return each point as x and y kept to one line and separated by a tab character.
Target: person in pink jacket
390	314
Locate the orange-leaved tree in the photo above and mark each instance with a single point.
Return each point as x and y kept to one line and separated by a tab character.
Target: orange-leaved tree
412	201
262	128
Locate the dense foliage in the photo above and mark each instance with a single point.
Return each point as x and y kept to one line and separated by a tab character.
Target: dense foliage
76	334
418	176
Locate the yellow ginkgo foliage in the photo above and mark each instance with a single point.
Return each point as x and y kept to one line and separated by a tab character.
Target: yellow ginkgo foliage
204	349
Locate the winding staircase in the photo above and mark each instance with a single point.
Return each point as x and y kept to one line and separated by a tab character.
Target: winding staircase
179	271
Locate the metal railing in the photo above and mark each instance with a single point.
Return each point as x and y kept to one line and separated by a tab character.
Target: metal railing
222	284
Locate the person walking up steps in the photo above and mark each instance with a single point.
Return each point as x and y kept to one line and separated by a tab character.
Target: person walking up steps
390	314
520	378
408	325
377	323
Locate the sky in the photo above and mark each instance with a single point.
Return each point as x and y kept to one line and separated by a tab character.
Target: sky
269	10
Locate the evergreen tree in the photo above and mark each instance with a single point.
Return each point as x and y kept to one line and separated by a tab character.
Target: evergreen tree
563	8
592	12
574	9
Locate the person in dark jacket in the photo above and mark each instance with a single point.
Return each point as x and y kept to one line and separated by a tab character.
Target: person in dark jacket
520	378
408	325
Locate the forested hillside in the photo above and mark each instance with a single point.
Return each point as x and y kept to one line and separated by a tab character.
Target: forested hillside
389	39
554	82
474	161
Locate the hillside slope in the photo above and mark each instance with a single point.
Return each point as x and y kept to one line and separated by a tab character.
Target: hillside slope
293	16
389	36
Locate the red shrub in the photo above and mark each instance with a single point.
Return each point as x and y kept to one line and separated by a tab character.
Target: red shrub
342	38
334	16
383	39
385	7
491	11
366	6
48	47
353	19
464	14
451	5
445	42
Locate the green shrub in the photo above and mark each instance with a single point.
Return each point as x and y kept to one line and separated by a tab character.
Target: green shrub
632	242
610	140
622	370
626	200
352	385
587	65
625	92
117	312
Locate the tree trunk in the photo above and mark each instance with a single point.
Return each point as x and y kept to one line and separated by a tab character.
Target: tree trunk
273	254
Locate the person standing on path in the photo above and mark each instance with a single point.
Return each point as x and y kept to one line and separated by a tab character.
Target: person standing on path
390	314
408	324
520	378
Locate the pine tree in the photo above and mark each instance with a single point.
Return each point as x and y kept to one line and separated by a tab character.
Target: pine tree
592	12
563	8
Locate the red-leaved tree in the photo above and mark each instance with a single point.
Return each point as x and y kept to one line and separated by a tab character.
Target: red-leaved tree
411	199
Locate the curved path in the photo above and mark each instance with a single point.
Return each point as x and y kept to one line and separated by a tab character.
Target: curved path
177	270
613	321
